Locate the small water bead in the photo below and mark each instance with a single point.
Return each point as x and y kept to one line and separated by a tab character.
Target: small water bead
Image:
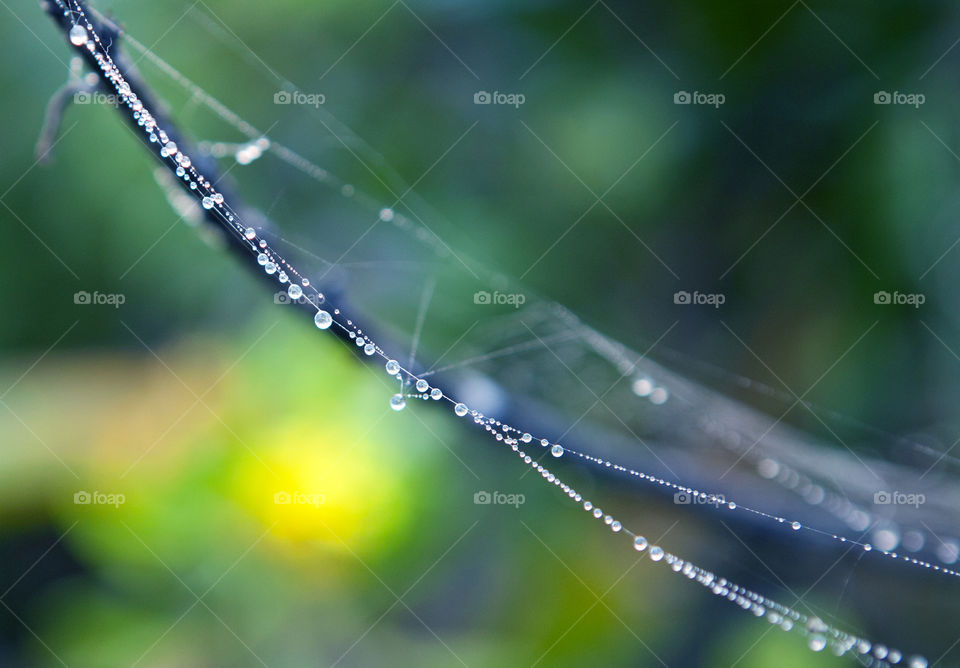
557	450
218	198
544	442
656	553
422	385
207	202
642	387
640	543
796	526
386	215
249	233
436	394
169	149
78	35
282	277
369	349
397	402
616	526
392	367
597	513
659	396
270	268
817	642
322	320
460	409
526	438
295	291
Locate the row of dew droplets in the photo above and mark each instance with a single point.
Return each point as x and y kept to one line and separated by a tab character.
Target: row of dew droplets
83	35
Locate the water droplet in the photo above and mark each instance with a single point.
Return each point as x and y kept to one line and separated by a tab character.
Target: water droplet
369	349
249	233
207	202
323	320
295	291
659	396
867	547
169	149
817	643
642	387
616	526
640	543
78	35
436	393
397	402
270	268
386	215
526	438
656	553
557	450
392	367
262	259
795	526
460	409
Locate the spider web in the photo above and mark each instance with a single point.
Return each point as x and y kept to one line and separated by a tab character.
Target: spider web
555	389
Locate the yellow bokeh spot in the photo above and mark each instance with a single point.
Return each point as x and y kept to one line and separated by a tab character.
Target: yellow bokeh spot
324	483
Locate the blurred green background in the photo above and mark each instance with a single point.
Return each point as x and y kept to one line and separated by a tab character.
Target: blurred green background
199	399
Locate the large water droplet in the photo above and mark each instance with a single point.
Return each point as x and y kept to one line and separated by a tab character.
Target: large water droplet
422	385
460	409
656	553
397	402
436	393
392	367
795	526
78	35
556	450
640	543
323	320
295	291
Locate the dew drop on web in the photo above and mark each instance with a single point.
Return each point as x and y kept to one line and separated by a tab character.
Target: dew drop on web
322	320
78	35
